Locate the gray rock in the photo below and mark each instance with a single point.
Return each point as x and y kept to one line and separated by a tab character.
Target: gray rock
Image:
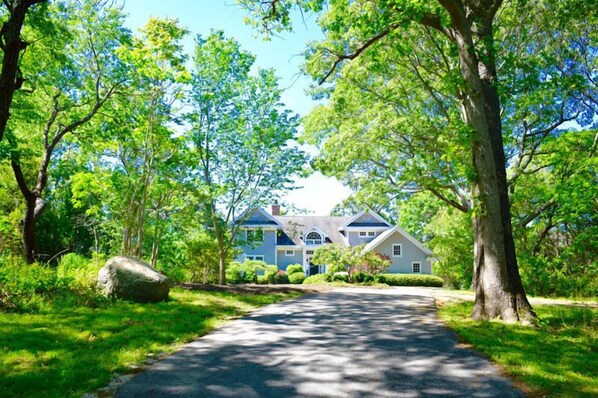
132	279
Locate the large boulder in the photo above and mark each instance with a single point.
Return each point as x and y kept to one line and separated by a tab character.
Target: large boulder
132	279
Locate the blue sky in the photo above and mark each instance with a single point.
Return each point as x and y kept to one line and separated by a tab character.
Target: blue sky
318	193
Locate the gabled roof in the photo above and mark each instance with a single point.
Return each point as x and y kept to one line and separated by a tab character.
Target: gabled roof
386	234
295	227
377	220
268	220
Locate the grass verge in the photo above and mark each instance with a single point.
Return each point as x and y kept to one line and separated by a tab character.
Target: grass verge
559	358
67	352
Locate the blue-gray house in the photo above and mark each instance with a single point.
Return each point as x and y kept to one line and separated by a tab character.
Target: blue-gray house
286	240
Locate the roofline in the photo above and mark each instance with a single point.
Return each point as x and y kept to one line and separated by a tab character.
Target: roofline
356	216
378	241
262	212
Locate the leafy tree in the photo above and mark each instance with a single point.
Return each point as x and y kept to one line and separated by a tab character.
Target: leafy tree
335	257
13	13
239	137
424	84
81	73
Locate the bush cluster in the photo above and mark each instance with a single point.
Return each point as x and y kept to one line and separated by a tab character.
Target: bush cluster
26	288
412	280
295	274
340	277
362	277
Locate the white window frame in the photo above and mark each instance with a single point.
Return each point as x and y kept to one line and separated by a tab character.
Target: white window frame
309	252
371	233
362	234
289	253
419	264
254	257
400	245
314	241
257	242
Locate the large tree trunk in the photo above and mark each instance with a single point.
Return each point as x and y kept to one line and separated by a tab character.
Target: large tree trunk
11	45
498	287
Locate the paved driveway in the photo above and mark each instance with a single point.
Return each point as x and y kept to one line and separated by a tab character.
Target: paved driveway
346	343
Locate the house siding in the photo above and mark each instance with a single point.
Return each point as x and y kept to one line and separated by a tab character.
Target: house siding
284	261
410	253
266	249
356	240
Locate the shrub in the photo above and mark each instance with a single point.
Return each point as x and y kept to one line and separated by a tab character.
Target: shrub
317	279
361	277
380	278
233	273
340	277
270	274
281	277
296	278
412	280
81	270
291	269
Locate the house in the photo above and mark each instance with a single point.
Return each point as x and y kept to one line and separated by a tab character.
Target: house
286	240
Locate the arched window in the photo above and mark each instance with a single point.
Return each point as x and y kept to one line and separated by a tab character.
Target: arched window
313	238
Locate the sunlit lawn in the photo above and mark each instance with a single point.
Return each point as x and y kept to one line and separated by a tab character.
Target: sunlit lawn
62	353
557	359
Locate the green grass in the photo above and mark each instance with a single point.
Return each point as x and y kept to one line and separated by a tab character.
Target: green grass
559	358
67	352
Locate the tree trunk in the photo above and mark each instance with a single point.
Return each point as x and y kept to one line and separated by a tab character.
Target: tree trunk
498	287
12	45
29	229
222	267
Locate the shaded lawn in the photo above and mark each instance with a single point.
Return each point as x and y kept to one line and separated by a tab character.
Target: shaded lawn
557	359
67	352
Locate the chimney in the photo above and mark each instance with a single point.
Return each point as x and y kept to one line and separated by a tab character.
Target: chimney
275	209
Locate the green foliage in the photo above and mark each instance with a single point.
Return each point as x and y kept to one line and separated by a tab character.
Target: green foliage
361	277
317	279
563	344
245	272
369	262
270	274
412	280
334	256
32	288
201	257
281	278
340	277
60	354
380	278
296	278
81	270
293	268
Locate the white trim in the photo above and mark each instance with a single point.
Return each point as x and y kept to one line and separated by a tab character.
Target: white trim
260	226
361	213
284	247
316	230
353	229
371	234
363	234
286	252
382	237
413	265
400	245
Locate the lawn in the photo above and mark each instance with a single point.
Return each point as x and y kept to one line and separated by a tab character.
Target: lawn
62	353
559	358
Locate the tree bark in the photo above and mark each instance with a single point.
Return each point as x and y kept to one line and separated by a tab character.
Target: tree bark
11	45
498	287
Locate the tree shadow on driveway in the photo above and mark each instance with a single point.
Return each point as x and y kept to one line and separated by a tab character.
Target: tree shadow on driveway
351	343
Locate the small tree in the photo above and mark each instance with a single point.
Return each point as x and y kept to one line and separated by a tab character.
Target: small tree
371	262
334	257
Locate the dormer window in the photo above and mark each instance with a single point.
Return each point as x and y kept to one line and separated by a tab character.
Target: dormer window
313	238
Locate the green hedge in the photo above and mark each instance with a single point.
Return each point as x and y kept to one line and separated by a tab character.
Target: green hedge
317	279
294	268
340	277
361	277
412	280
296	278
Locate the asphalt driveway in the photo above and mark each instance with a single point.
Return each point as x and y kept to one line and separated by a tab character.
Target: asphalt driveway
346	343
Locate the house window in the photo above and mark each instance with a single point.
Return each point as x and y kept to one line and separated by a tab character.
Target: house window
313	238
371	234
416	267
254	257
309	252
397	250
255	236
362	233
289	253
